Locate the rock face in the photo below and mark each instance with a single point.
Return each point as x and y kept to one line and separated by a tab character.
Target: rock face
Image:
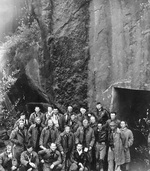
119	48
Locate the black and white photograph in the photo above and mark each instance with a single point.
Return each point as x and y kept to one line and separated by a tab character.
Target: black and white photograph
74	85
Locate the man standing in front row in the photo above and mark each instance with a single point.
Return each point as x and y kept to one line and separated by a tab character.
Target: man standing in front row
66	146
128	135
19	137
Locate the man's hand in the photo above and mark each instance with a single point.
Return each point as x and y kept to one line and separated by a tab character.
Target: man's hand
90	148
80	164
62	152
13	167
32	165
52	166
43	148
118	131
10	155
29	169
42	161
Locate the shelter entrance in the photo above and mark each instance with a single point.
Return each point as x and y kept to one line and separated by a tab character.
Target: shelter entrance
133	106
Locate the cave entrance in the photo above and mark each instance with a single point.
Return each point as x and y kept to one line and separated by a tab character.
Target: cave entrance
133	106
130	105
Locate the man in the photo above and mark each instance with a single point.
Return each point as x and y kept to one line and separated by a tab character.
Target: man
29	159
58	120
35	114
93	125
47	115
128	143
79	159
19	138
22	118
51	158
34	133
101	141
101	114
6	160
49	135
74	123
67	115
82	115
85	136
113	118
116	156
65	145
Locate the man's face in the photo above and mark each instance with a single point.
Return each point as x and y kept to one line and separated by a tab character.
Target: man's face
85	123
67	129
99	126
21	125
37	121
72	117
8	149
70	108
37	109
79	147
22	117
123	124
98	106
92	119
55	111
82	110
30	150
50	109
50	123
112	116
53	147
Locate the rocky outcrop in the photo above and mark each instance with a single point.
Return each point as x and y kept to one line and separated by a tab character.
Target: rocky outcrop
119	48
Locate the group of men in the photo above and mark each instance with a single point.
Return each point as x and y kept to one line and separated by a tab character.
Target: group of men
68	142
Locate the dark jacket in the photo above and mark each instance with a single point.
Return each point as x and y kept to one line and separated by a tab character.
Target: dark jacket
51	157
82	158
67	117
101	135
5	161
85	136
19	137
45	119
33	116
102	116
48	136
34	133
74	125
26	158
62	142
80	117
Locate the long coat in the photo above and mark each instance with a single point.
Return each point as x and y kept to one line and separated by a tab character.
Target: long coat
89	137
128	135
34	134
48	135
62	142
117	154
20	139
